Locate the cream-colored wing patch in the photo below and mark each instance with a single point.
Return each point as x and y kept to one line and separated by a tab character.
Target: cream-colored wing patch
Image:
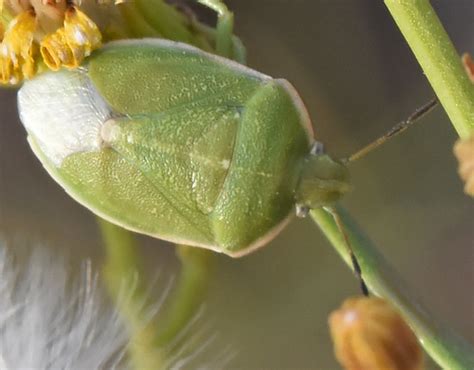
64	113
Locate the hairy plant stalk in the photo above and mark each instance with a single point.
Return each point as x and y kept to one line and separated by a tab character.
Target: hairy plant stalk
188	295
446	348
438	58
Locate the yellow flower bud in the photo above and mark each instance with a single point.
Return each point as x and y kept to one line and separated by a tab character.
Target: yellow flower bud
56	52
368	334
62	34
464	151
82	34
70	44
468	64
17	49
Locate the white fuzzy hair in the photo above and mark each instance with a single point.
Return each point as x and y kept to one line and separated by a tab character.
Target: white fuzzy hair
52	321
49	320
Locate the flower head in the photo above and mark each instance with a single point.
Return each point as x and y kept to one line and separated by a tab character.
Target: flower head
369	334
70	44
56	32
52	34
17	50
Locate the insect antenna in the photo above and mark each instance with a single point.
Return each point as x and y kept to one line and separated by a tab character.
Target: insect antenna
395	130
355	263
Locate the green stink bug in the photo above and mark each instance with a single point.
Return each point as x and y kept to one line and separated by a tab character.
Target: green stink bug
207	152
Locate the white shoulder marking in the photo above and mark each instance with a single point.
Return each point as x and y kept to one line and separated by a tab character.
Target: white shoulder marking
64	113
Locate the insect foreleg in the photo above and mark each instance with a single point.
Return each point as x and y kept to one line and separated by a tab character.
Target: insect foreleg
355	263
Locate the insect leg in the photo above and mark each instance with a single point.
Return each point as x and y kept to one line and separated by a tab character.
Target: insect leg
318	148
225	26
355	263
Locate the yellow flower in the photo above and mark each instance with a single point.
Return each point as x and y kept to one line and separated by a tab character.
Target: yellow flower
368	334
55	34
70	44
17	49
61	31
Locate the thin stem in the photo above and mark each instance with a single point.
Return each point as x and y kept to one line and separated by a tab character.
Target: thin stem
446	348
122	275
189	294
225	26
168	21
437	56
137	25
156	18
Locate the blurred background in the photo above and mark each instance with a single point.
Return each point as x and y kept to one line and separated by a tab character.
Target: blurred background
358	78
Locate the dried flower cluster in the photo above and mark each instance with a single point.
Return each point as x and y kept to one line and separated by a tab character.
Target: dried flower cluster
54	31
369	334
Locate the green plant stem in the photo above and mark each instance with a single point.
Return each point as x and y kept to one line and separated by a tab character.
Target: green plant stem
225	26
171	24
122	275
442	65
438	58
124	279
189	294
446	348
165	19
137	26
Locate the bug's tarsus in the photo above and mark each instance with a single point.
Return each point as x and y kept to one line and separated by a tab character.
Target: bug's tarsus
318	148
354	261
302	211
395	130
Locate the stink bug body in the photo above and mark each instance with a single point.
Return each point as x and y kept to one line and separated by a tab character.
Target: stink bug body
166	140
